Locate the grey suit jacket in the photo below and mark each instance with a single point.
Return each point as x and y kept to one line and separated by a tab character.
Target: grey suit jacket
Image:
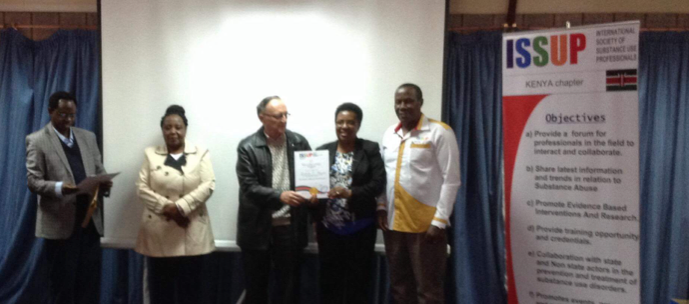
46	164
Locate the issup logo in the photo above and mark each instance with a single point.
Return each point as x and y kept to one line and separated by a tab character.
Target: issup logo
306	155
541	51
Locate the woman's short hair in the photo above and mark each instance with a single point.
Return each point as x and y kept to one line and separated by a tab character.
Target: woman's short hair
348	106
174	110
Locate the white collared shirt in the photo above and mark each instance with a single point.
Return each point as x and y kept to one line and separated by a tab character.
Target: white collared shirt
68	141
422	176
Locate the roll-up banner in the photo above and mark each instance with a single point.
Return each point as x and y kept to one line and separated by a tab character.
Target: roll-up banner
571	133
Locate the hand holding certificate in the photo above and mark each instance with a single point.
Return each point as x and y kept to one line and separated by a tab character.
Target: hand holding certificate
312	173
91	185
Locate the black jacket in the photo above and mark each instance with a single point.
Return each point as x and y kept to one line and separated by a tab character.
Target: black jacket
368	178
257	199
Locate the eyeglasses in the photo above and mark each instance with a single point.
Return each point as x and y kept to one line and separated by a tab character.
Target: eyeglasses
278	116
65	115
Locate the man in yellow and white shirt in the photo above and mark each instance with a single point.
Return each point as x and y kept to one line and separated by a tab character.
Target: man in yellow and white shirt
422	163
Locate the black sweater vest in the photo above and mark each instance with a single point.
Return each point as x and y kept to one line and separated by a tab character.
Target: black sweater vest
77	165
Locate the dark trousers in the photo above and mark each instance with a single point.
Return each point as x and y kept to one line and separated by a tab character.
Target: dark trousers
74	267
283	257
178	280
417	268
346	265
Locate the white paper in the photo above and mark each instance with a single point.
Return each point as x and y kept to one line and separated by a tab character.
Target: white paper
89	184
311	171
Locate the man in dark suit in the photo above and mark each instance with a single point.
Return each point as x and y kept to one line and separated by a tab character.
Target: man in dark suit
58	157
271	225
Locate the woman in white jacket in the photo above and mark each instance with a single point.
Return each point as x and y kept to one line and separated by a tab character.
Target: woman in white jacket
175	182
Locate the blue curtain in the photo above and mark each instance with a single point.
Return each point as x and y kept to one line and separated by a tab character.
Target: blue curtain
29	72
664	167
473	109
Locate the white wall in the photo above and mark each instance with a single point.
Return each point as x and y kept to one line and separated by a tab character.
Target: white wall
219	59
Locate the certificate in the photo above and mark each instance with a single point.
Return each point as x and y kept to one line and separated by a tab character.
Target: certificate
312	173
89	184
